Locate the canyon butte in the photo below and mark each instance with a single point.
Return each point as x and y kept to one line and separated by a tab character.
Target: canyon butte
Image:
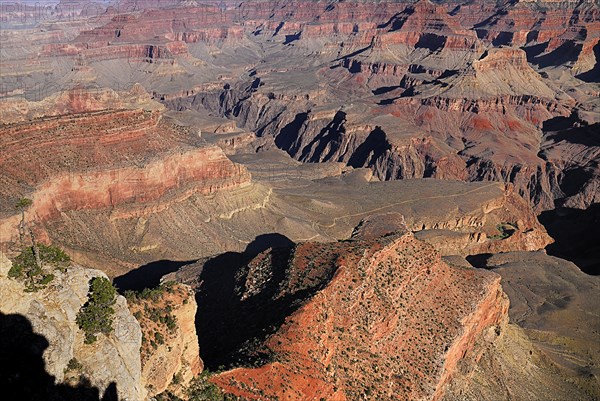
300	200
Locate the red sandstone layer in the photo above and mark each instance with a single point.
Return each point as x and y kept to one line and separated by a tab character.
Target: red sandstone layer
104	159
393	323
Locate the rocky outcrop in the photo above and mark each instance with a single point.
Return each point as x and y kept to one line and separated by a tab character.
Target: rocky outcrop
554	33
508	223
113	358
170	354
373	319
105	158
53	109
556	338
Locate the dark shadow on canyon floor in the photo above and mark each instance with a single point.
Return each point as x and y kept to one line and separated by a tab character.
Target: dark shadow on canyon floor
149	275
23	373
571	129
229	328
576	234
479	261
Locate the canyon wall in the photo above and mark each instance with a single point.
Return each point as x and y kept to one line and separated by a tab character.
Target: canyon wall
408	89
369	327
99	158
169	352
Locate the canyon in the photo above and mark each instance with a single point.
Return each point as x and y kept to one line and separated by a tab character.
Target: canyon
410	90
328	200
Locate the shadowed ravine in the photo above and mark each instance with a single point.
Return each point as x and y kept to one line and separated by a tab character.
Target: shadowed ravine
148	276
576	234
225	324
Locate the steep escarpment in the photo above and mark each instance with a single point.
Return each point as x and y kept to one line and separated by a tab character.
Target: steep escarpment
96	157
51	312
370	327
556	338
169	351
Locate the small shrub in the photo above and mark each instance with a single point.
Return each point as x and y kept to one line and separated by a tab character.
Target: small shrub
177	378
201	389
47	279
23	203
506	230
73	364
171	322
15	271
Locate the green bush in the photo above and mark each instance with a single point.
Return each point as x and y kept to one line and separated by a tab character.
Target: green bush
171	322
15	271
26	269
201	389
506	230
73	365
97	315
23	203
47	279
48	254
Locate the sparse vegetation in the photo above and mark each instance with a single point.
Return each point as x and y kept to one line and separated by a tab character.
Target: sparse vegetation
154	309
97	315
177	378
506	230
201	389
35	276
22	205
152	294
73	366
147	298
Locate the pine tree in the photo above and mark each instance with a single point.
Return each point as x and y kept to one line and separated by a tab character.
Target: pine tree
97	315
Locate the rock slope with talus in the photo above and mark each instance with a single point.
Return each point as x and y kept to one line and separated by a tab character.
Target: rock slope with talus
377	318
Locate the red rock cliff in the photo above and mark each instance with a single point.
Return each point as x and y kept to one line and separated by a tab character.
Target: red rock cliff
392	323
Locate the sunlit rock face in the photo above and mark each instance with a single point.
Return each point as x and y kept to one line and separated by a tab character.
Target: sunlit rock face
385	317
52	311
